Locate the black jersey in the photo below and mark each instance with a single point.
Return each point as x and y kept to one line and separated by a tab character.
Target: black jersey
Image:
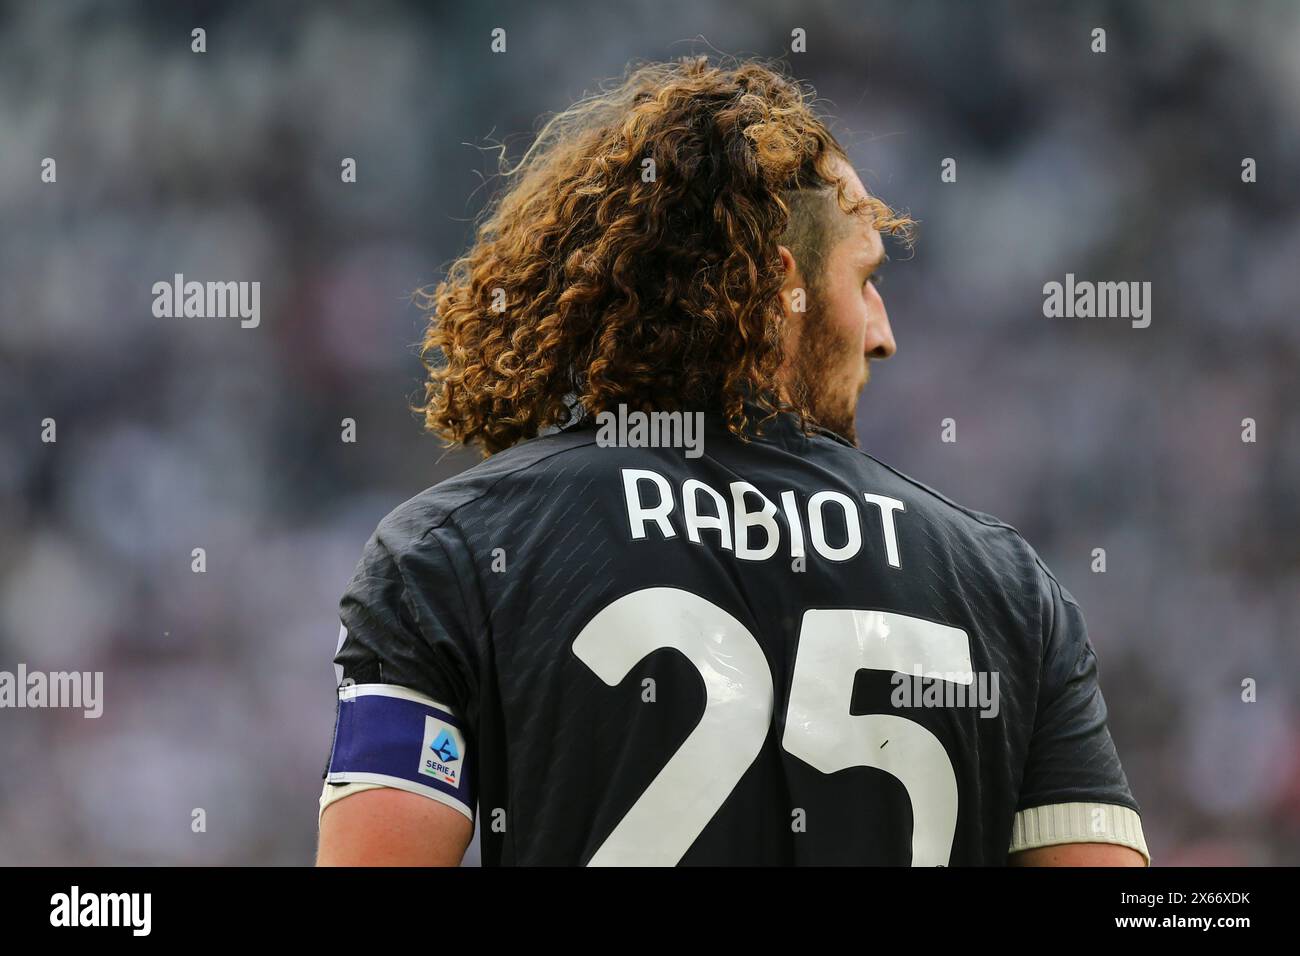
779	651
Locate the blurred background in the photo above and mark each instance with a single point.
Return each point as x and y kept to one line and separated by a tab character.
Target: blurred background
175	434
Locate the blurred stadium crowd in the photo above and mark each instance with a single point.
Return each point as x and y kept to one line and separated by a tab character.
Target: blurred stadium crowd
176	434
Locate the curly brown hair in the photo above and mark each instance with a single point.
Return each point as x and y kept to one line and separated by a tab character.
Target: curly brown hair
597	278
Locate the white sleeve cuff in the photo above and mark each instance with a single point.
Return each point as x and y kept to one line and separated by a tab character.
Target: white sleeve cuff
334	791
1058	823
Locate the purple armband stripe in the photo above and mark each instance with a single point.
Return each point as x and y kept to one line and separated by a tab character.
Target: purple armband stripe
395	737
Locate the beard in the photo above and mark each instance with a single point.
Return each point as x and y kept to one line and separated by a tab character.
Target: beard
823	348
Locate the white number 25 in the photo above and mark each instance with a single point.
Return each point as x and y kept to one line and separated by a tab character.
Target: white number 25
833	646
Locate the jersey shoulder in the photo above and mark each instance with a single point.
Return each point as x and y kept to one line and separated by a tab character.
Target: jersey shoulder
1000	541
990	553
504	475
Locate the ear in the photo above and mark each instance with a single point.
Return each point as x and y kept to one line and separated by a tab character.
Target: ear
793	280
787	261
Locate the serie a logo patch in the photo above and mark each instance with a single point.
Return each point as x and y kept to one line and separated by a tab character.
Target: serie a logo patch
442	751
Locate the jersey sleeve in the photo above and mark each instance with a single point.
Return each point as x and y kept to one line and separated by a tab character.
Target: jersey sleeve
1074	789
406	666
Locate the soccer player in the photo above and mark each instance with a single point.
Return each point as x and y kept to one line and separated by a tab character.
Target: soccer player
677	616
